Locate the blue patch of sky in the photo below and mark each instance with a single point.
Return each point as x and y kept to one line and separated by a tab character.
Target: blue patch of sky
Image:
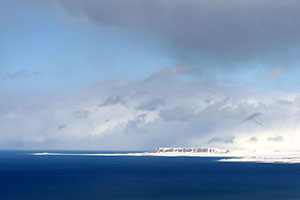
70	54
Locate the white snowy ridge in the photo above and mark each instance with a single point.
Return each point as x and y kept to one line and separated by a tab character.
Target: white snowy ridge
189	150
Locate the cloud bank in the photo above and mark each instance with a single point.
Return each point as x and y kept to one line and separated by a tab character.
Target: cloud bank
168	109
223	34
134	115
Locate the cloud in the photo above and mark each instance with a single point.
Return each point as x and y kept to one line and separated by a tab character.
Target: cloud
113	100
276	73
18	74
133	125
254	117
81	114
151	104
253	139
61	126
169	73
175	113
227	139
217	32
275	139
21	74
206	36
284	102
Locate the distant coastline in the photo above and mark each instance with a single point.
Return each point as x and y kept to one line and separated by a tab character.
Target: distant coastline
284	157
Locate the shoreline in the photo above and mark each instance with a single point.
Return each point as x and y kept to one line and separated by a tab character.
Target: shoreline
285	157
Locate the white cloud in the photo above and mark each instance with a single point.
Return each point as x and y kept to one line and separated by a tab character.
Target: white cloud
174	114
276	73
170	73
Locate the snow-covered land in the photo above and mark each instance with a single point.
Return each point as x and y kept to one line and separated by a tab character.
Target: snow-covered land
189	150
261	156
275	156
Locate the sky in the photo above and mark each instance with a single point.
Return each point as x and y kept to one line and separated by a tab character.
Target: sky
141	74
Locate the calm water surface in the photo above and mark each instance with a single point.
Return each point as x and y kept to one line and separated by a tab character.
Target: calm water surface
25	177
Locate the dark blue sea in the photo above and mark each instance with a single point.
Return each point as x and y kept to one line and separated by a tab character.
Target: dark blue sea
26	177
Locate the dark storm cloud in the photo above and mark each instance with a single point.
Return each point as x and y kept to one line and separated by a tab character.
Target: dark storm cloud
219	31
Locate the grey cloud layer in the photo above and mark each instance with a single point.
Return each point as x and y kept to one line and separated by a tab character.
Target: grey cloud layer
220	31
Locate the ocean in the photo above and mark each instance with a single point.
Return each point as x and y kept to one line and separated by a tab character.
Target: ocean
27	177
